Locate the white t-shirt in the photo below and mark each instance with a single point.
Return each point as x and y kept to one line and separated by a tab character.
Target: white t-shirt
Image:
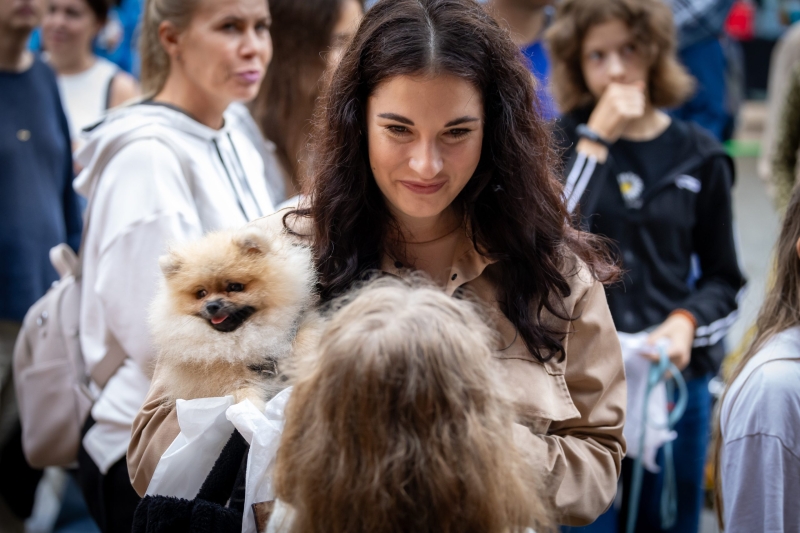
760	425
86	95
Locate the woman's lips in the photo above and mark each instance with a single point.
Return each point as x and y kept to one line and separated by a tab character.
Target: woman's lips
56	37
249	76
423	188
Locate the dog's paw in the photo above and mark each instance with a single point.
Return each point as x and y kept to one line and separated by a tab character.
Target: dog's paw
254	395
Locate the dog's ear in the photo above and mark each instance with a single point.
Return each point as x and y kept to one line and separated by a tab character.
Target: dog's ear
170	264
252	242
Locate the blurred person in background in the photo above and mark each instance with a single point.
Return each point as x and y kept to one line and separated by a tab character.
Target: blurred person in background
89	84
189	172
777	128
527	21
39	210
758	429
661	189
787	142
309	37
700	28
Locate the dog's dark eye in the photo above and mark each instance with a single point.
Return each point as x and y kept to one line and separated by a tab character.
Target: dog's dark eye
201	294
235	287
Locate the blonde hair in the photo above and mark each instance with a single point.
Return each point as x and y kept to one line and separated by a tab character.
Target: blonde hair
155	61
650	21
399	424
779	312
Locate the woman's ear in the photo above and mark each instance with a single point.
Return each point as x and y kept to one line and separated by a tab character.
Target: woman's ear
797	247
169	36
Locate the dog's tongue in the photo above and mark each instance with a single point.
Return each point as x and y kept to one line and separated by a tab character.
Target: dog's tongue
218	319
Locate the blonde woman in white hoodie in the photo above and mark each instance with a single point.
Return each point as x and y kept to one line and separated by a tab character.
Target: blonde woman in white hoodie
166	170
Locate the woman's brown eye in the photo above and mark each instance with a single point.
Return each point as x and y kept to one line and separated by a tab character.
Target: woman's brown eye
235	287
201	294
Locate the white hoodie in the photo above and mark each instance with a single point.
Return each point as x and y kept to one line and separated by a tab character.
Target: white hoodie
142	204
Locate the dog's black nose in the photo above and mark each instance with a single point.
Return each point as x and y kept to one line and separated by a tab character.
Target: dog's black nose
213	307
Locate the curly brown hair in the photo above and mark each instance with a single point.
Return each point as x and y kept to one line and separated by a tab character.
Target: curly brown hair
513	202
400	424
650	21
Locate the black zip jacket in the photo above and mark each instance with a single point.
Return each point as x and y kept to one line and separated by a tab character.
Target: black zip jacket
673	230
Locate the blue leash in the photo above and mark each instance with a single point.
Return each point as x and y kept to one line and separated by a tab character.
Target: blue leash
669	492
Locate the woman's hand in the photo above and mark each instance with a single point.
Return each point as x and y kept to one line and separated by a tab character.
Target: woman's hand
678	330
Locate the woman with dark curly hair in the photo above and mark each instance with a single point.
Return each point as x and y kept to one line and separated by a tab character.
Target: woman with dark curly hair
429	155
660	188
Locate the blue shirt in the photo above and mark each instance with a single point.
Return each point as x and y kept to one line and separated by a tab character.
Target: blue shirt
38	205
539	64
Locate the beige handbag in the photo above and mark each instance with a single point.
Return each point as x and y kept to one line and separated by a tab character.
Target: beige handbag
50	376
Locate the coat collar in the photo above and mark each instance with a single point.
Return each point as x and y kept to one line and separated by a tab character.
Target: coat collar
468	265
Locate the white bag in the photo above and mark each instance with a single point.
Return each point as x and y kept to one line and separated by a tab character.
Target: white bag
637	368
263	432
206	425
185	465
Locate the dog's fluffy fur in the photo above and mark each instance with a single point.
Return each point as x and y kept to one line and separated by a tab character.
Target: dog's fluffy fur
227	314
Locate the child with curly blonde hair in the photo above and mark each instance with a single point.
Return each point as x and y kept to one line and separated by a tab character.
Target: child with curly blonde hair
399	424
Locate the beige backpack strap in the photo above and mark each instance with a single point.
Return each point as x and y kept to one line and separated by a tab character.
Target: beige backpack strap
109	364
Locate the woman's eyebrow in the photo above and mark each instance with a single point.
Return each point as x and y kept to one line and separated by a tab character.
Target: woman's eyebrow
397	118
460	120
407	121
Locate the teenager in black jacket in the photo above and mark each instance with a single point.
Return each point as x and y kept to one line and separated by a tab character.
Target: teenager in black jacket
661	189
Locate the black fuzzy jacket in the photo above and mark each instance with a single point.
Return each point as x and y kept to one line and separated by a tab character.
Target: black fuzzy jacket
675	240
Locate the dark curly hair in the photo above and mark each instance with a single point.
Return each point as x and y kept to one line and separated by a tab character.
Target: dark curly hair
513	202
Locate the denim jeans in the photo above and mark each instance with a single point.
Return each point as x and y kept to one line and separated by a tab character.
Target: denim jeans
689	450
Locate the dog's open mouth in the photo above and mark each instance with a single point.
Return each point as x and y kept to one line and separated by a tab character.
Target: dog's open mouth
230	322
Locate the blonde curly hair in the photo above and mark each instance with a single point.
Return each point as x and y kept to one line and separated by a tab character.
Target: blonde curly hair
399	424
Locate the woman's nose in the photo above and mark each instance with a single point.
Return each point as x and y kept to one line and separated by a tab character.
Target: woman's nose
616	67
255	44
426	160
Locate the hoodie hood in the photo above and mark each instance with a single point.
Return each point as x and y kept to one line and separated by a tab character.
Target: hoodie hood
158	119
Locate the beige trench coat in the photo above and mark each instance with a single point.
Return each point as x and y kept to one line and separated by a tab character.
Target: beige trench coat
570	413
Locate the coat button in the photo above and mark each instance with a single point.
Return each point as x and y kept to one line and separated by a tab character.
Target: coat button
453	277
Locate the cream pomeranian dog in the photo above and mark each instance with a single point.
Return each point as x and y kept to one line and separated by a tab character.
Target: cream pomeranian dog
228	313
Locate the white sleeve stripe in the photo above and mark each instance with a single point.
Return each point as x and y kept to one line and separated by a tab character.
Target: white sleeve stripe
710	341
580	187
722	323
711	338
573	174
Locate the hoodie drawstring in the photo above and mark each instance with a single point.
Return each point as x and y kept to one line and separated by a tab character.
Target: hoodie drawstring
242	175
233	186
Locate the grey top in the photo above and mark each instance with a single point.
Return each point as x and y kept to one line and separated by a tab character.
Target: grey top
760	460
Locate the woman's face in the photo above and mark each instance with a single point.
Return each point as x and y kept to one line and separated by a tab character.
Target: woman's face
69	26
424	136
350	16
610	54
225	49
